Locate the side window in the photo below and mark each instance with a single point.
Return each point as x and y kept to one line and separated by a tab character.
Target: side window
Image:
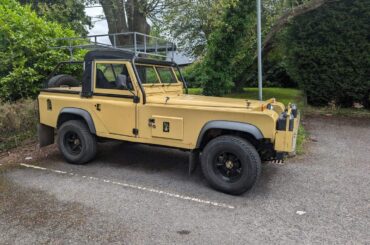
106	76
166	74
147	74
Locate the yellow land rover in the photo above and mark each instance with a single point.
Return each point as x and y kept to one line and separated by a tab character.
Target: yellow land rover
125	97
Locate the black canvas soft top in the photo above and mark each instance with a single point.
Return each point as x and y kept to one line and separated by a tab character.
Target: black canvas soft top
108	54
105	54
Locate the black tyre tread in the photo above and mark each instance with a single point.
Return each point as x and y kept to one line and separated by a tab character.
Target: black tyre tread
90	148
248	149
63	79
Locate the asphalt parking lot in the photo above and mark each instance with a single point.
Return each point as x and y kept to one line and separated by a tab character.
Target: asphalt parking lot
135	194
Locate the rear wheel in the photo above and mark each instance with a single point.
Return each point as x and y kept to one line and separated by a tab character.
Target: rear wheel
76	143
231	164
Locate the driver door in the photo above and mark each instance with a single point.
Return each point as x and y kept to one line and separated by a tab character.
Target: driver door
113	104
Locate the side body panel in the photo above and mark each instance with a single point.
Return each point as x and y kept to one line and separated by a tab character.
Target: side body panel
194	119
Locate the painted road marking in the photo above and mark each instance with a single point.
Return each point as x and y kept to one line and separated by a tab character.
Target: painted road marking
136	187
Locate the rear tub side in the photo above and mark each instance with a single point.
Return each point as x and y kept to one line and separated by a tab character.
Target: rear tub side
56	108
46	134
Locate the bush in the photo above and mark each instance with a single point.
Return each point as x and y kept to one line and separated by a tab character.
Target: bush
274	75
191	75
17	123
328	53
26	58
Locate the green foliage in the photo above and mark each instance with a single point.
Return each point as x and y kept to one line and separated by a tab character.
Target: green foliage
191	75
69	13
25	56
328	53
275	74
231	49
190	22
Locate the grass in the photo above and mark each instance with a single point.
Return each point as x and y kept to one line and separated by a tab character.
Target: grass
283	95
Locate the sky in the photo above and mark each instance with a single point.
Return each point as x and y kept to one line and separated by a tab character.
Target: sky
101	28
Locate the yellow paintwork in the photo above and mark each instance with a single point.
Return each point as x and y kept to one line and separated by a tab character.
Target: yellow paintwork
187	114
286	141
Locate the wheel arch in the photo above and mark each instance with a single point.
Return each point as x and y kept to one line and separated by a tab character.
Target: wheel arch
67	114
214	129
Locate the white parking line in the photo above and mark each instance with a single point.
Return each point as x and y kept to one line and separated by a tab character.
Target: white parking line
136	187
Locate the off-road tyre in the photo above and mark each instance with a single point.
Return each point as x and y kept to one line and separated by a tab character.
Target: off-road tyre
63	80
72	130
242	153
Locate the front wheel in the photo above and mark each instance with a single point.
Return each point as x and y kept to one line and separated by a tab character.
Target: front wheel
76	143
231	164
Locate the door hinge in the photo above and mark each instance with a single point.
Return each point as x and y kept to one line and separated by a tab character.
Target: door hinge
135	131
136	99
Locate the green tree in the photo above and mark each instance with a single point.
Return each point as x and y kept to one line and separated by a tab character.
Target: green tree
25	59
190	23
69	13
231	49
230	58
328	53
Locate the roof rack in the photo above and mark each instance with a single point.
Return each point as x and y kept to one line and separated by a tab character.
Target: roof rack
140	44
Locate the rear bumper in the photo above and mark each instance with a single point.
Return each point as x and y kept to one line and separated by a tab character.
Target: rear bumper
287	131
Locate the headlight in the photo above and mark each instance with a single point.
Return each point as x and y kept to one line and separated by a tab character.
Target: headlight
270	107
294	110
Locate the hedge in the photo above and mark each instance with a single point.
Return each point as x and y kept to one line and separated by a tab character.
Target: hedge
25	56
328	52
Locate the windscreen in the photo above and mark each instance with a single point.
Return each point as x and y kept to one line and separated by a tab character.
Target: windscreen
147	74
166	74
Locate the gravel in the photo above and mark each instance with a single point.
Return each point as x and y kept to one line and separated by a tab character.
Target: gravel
143	195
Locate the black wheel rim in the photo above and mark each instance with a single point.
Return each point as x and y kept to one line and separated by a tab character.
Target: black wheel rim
73	143
228	166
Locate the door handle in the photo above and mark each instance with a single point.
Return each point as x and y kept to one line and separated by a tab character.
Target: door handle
98	107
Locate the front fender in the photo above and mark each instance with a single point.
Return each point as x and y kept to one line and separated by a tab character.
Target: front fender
230	125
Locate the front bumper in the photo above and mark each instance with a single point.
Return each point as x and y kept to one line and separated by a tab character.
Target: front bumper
287	132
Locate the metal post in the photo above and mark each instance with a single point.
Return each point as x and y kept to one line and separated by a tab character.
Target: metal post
166	50
259	44
114	40
156	46
70	50
173	52
135	43
145	44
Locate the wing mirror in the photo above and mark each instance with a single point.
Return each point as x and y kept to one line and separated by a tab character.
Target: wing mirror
121	82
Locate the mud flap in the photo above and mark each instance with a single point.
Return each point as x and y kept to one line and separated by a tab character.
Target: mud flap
46	135
193	161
